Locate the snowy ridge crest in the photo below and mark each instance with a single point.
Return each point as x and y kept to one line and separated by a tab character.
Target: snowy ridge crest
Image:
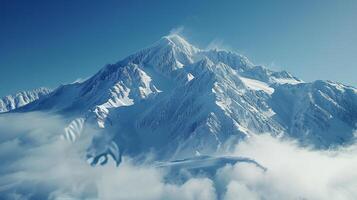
20	99
177	99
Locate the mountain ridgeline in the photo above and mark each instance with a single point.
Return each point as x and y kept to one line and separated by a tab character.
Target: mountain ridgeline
176	100
11	102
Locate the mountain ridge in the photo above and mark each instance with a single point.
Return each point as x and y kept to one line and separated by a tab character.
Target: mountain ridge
176	99
11	102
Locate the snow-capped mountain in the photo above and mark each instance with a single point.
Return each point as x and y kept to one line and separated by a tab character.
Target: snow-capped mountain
20	99
322	112
179	100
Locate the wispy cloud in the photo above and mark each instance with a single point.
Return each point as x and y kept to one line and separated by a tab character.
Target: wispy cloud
219	45
177	30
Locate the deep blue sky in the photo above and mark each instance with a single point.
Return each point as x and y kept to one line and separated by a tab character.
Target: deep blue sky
45	43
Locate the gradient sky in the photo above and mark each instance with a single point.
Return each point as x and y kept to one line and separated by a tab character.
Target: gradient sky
46	43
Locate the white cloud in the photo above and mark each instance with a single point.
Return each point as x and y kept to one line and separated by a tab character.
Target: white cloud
295	172
236	190
195	188
36	164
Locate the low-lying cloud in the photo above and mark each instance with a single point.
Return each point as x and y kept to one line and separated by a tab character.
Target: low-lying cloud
295	172
37	164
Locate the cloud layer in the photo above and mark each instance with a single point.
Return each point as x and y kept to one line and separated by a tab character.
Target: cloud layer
295	172
38	164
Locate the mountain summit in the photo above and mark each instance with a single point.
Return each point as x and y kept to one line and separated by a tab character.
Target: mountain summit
178	100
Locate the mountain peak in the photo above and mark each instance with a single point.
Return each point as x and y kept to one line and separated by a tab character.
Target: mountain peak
178	42
176	39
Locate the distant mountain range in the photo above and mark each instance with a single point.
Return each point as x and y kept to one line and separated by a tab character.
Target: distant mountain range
20	99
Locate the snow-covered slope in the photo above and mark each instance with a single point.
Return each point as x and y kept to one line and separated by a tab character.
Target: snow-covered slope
323	113
179	100
20	99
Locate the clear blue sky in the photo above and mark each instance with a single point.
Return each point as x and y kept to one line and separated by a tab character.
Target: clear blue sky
45	43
